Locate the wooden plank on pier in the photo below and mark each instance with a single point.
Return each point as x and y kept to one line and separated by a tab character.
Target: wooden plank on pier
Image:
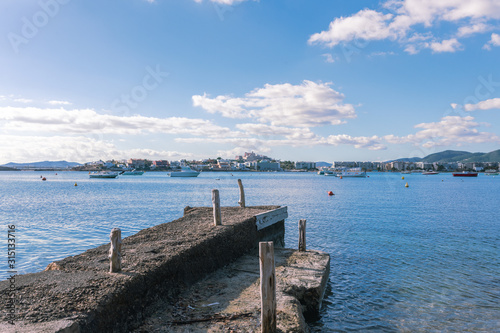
302	235
216	207
267	287
269	218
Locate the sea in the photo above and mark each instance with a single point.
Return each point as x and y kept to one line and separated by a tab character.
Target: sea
422	258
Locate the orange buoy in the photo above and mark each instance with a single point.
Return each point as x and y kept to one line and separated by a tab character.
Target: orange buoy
330	193
44	178
340	177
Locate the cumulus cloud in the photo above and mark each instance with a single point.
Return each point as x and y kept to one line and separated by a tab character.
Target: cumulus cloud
82	121
77	148
469	30
451	130
366	24
488	104
494	41
449	45
399	19
306	105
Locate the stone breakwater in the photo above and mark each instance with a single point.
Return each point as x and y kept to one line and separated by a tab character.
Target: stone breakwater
78	294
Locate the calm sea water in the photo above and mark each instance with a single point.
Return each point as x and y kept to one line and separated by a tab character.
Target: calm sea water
420	259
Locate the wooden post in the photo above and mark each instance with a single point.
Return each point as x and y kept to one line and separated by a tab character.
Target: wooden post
216	204
115	250
267	287
242	194
302	235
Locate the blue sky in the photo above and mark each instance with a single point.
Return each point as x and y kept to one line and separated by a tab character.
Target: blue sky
295	80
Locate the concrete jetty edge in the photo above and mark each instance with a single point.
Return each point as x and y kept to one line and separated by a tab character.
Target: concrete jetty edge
77	294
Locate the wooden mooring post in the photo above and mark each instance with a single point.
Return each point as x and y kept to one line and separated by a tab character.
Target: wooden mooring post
115	250
242	194
267	287
216	205
302	235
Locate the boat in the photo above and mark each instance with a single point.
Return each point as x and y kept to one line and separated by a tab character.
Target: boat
103	174
465	174
321	172
491	173
354	172
430	173
407	172
133	173
185	172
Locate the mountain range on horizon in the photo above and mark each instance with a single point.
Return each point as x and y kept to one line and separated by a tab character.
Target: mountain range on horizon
447	156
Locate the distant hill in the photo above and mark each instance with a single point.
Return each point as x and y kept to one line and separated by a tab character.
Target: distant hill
455	156
43	165
323	164
412	159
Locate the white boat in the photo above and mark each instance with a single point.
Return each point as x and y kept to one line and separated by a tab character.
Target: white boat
133	173
427	173
185	172
354	172
406	172
103	174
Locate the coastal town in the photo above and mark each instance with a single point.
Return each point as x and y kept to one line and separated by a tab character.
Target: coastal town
251	161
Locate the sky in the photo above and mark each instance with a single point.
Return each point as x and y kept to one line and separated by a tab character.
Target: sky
323	80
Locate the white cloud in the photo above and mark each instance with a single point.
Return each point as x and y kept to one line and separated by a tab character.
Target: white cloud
54	102
488	104
298	140
366	24
75	149
449	45
450	131
82	121
469	30
494	41
328	58
306	105
372	143
398	19
269	130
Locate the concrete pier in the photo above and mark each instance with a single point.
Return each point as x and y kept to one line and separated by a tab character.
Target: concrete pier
78	294
228	300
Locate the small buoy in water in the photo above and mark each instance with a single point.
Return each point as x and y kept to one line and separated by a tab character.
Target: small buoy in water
56	173
340	177
330	193
43	178
403	178
406	185
76	184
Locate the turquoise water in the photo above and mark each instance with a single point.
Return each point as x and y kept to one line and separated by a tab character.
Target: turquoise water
420	259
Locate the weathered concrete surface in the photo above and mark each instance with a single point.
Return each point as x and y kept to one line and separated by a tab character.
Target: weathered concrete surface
229	300
78	294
